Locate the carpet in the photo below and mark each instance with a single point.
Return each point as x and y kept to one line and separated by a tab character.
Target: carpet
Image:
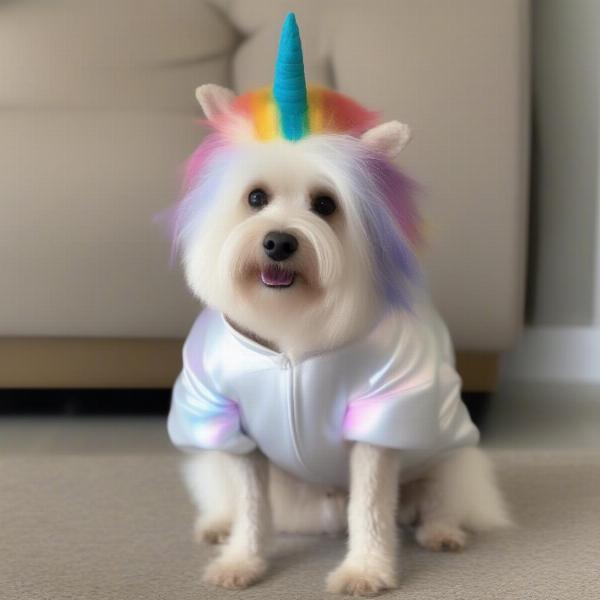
118	526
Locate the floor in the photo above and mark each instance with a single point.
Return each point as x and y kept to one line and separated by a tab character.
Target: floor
543	416
93	508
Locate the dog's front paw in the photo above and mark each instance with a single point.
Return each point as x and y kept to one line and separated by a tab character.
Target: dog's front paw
234	572
440	537
354	579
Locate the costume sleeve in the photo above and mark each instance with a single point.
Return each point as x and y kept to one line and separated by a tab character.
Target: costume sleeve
201	418
394	416
413	400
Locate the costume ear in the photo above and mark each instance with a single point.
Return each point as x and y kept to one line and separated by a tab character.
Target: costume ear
388	138
214	99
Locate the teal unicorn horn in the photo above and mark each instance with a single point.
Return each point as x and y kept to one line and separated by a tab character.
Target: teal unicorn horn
289	85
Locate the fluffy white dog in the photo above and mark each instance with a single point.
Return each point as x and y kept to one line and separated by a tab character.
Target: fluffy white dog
319	383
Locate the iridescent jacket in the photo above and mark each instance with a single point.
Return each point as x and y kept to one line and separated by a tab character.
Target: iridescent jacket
397	388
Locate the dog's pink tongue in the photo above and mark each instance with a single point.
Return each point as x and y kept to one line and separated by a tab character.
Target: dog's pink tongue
275	276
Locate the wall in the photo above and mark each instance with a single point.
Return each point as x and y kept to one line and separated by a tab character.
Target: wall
563	337
566	48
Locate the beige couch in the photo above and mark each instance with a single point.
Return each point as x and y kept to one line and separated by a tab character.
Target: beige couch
97	112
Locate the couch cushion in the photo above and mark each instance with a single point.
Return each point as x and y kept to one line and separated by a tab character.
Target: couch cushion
138	54
79	252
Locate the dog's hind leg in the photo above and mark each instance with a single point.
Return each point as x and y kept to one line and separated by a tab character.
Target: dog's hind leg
300	507
459	494
212	528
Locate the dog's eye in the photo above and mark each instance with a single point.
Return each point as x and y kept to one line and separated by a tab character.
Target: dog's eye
258	198
323	205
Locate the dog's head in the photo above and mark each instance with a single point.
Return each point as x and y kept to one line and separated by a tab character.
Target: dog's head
301	239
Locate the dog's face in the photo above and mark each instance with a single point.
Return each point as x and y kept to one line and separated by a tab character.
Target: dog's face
283	250
277	254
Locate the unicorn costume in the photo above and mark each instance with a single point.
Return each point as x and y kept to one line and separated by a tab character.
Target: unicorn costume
397	387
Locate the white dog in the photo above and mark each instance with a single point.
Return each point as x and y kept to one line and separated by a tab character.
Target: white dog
319	382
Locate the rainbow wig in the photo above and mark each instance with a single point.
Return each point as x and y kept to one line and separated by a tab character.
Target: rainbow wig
291	110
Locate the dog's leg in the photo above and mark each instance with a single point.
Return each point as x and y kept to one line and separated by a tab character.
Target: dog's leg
207	480
241	562
301	507
459	493
212	528
370	564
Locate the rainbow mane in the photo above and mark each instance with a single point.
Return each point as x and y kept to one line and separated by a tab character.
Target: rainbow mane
327	112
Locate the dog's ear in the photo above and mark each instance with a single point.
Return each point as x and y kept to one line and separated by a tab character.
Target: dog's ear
388	138
214	99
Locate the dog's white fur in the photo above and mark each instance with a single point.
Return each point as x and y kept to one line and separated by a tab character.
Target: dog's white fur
334	299
331	302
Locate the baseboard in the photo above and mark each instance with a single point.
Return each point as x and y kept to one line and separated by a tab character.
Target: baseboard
53	363
67	363
478	370
561	354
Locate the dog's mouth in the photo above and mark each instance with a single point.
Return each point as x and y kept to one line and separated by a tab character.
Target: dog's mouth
274	276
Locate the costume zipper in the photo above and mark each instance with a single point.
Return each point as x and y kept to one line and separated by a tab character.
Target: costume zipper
292	413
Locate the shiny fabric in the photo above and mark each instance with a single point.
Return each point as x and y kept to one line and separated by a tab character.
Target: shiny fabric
396	388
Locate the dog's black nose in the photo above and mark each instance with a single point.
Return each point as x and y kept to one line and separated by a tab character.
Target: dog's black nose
279	245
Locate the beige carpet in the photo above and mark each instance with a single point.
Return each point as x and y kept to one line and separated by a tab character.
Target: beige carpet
113	526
